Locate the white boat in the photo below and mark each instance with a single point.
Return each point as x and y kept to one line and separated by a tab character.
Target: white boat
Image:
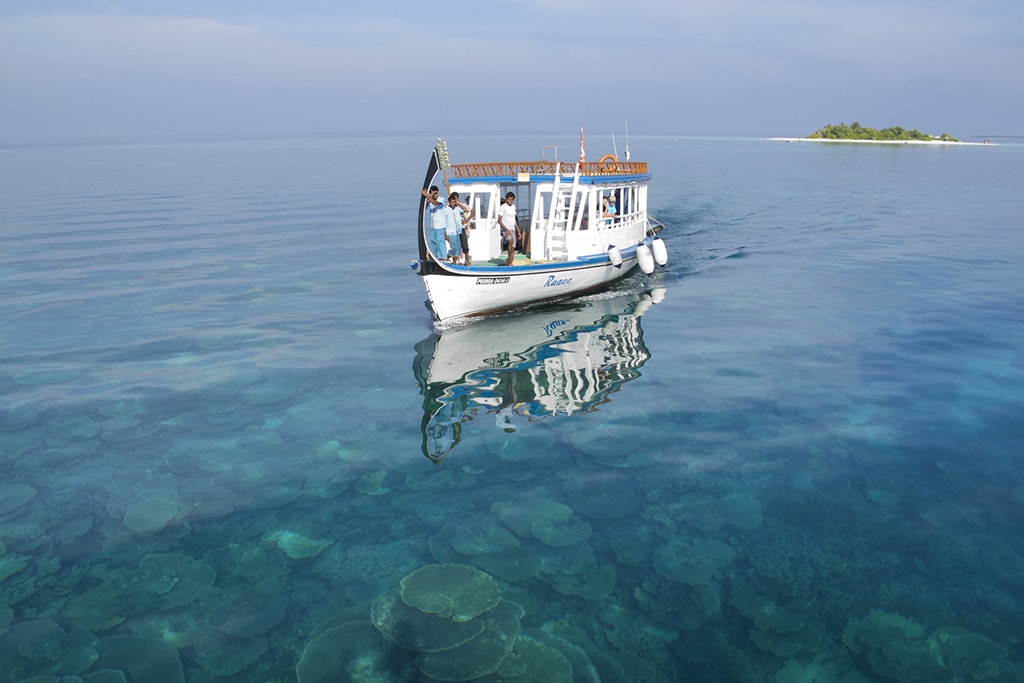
564	359
570	246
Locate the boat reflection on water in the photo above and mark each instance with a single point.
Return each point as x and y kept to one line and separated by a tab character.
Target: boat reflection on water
563	359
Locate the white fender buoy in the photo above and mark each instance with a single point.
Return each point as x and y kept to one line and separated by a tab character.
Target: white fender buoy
614	255
659	250
645	259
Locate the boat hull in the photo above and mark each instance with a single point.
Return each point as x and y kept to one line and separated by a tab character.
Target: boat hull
466	291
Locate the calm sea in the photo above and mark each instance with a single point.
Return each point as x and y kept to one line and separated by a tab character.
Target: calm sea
233	447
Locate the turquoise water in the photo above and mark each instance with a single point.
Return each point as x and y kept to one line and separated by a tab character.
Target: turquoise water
233	446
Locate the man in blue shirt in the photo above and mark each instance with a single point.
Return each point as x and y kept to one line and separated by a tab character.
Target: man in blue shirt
438	221
463	215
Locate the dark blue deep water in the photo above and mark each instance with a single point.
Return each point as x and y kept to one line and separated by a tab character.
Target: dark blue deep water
233	447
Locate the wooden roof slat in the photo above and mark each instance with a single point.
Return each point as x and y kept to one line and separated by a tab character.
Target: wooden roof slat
514	168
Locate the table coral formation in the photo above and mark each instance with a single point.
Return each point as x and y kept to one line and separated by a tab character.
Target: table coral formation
445	622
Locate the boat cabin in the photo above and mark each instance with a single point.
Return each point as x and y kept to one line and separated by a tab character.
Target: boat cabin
560	206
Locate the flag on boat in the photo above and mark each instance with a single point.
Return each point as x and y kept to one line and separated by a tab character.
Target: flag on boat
583	152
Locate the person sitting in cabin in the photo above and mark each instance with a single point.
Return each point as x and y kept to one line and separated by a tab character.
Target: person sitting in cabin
453	229
436	242
464	215
508	221
609	211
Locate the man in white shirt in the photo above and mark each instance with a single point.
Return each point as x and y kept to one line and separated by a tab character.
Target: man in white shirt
453	228
509	224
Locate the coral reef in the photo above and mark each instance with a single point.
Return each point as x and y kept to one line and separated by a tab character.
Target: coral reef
532	661
352	652
453	591
678	606
231	553
897	648
295	545
448	623
453	618
13	496
693	560
414	629
151	512
143	659
550	522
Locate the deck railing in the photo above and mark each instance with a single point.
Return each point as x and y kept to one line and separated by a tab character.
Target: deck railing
514	168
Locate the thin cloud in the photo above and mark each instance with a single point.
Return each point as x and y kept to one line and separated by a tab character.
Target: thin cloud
739	66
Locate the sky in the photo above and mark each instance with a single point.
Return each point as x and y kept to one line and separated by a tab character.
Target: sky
85	69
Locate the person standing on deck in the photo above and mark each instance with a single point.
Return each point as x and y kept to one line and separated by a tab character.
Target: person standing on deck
464	215
509	224
436	242
453	228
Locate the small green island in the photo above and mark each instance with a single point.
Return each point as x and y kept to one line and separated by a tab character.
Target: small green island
855	131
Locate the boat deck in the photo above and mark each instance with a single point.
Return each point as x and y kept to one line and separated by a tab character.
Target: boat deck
499	262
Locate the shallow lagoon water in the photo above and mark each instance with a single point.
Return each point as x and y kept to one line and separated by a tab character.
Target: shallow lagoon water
234	447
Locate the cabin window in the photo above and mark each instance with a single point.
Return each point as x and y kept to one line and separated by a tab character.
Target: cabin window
482	199
578	206
481	204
